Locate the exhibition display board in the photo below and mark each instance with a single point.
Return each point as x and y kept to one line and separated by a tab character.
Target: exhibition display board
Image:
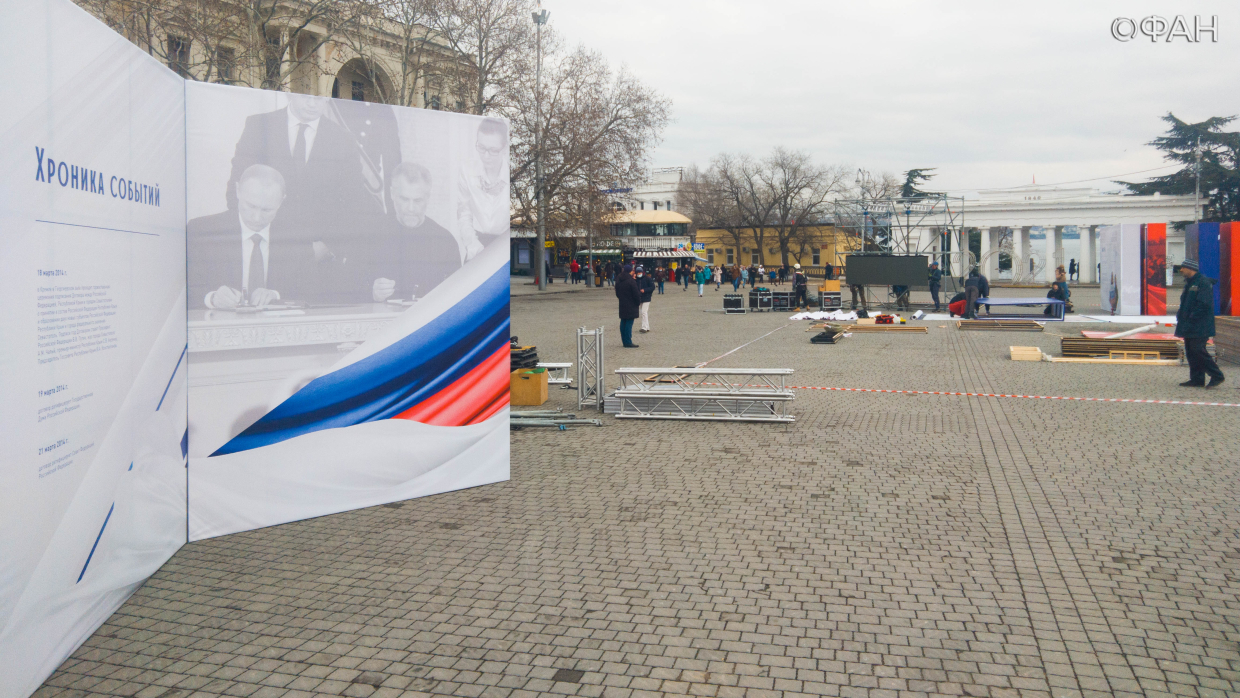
1119	255
227	308
1154	269
1201	242
1229	268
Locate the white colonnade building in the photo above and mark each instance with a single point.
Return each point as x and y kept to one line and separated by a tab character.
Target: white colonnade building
1040	227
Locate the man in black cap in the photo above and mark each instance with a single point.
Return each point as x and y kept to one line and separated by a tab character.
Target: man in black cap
1194	321
935	276
645	284
630	298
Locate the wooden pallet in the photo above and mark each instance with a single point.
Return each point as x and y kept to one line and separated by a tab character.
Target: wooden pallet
1026	353
1003	325
1084	347
1227	341
885	328
1127	362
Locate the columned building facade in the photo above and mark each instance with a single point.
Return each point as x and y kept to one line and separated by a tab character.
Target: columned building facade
1026	232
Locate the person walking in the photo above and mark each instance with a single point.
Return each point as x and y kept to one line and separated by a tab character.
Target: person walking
736	279
575	269
630	300
1072	269
700	277
935	276
800	287
660	276
718	278
1194	321
645	284
687	275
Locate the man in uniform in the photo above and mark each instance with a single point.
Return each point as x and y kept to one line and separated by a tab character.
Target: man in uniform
1194	321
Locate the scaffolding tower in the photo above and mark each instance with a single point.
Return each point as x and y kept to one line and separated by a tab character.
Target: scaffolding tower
931	225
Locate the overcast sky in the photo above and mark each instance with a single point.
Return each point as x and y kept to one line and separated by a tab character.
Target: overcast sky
991	93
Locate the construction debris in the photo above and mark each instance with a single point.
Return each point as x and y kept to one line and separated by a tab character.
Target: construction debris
547	418
1119	357
1001	325
1086	347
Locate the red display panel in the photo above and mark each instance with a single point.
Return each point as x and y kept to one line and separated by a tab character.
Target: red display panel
1154	269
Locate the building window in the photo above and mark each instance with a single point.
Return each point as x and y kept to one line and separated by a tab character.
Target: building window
359	92
731	256
434	101
710	256
226	65
817	261
655	204
178	55
755	256
642	204
272	61
669	206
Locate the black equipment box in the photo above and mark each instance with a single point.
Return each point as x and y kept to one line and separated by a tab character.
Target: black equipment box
781	300
829	300
733	301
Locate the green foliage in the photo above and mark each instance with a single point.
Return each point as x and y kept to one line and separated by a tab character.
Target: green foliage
914	177
1220	157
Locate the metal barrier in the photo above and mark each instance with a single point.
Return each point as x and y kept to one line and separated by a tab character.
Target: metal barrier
590	368
707	394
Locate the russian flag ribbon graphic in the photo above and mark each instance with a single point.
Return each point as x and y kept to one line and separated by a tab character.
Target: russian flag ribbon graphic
452	371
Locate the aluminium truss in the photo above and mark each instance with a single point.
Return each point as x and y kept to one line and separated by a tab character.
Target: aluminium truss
590	368
932	225
714	394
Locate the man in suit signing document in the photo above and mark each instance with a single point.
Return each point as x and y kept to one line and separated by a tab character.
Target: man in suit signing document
235	257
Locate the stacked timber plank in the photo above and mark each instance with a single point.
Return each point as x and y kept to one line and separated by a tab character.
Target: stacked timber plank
1227	339
1085	347
885	328
1001	325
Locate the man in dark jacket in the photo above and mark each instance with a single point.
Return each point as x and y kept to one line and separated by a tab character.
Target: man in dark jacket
1194	321
800	288
935	277
645	284
630	298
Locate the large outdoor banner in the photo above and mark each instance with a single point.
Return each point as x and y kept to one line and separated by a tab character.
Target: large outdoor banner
1154	269
92	330
348	294
1119	255
1229	267
1202	244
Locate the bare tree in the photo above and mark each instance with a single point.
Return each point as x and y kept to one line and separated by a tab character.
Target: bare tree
397	34
494	39
704	199
801	192
598	130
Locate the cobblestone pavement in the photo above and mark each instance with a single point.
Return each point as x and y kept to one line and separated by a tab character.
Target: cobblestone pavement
884	545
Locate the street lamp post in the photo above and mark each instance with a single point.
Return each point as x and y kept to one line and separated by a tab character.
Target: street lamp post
540	18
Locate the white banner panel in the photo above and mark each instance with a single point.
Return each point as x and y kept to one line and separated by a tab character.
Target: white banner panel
1119	254
92	351
348	305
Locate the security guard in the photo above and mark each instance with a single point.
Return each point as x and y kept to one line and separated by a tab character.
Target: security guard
1194	321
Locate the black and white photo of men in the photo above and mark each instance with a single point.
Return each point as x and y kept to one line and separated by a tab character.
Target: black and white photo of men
419	253
243	256
319	161
483	211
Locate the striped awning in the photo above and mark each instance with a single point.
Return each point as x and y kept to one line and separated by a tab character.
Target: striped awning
667	254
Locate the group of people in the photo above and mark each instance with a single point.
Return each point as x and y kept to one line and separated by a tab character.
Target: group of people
322	208
636	287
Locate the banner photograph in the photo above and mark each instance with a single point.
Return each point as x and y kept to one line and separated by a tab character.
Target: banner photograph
348	266
92	345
